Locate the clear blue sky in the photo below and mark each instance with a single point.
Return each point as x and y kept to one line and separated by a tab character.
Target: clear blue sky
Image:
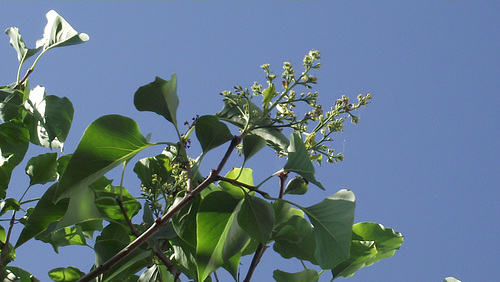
423	159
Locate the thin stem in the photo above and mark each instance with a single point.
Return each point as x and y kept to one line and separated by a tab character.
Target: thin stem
163	221
282	176
255	261
237	183
5	246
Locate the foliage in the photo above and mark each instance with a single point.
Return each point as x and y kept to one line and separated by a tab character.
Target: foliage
203	222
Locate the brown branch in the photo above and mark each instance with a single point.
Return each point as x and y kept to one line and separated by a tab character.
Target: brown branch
282	176
163	221
18	85
255	261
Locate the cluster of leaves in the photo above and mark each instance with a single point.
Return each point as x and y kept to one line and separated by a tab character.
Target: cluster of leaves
192	224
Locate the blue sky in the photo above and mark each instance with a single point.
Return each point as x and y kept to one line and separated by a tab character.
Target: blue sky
423	159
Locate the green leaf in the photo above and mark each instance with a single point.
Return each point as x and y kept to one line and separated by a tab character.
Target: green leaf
64	237
44	213
451	279
284	212
299	161
157	272
50	119
16	41
9	204
42	168
66	274
58	32
113	239
14	142
232	113
184	221
106	202
219	237
159	96
309	275
295	238
12	105
241	175
211	132
332	220
107	142
268	94
297	186
256	217
12	273
251	145
371	242
159	166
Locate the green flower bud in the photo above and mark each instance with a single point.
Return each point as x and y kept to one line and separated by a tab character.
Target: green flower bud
297	186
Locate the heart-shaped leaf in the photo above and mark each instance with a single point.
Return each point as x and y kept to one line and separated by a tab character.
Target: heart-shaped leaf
159	96
211	132
106	143
332	220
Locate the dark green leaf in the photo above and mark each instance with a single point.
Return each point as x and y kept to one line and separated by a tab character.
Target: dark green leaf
274	138
241	175
62	163
371	242
256	217
23	53
159	166
65	274
109	141
12	273
219	236
12	104
157	272
284	212
106	202
211	132
42	168
58	33
184	221
45	213
252	144
297	186
159	96
9	204
309	275
295	238
299	161
332	220
14	142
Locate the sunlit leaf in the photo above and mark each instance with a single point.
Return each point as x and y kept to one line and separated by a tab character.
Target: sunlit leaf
159	96
11	105
241	175
106	143
158	166
16	41
299	161
106	202
283	211
64	237
256	217
184	221
65	274
42	168
451	279
309	275
332	220
211	132
58	32
219	236
268	94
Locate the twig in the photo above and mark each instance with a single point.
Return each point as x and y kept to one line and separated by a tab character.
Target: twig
255	261
163	221
5	246
282	176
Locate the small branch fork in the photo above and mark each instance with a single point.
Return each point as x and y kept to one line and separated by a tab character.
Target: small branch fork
163	221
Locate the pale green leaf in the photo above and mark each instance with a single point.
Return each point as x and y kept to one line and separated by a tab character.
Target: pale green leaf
58	32
65	274
16	41
241	175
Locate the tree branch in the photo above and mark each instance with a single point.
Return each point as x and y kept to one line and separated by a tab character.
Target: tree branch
163	221
256	259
